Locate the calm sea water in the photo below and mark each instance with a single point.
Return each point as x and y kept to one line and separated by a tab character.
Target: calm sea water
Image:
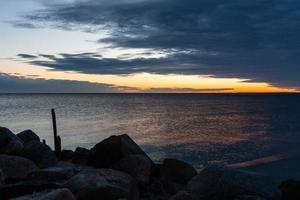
199	128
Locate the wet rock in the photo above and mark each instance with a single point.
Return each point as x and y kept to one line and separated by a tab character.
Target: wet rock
182	195
9	142
105	183
66	155
82	156
59	194
290	190
15	167
40	153
177	171
28	136
138	166
24	188
215	183
111	150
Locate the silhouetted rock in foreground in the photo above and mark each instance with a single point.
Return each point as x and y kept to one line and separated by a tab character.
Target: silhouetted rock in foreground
290	190
28	136
105	183
59	194
15	167
40	153
138	166
9	143
118	169
109	151
217	183
177	171
66	155
82	156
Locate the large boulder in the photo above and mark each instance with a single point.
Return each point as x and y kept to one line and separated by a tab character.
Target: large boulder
105	183
111	150
9	142
138	166
28	136
59	194
40	153
177	171
81	156
290	190
15	167
218	183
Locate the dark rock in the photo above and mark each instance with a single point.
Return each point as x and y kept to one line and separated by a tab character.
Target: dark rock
15	167
105	183
111	150
1	178
9	142
53	174
138	166
24	188
215	183
28	136
249	197
290	190
72	168
172	187
154	190
40	153
59	194
177	171
156	168
82	156
59	173
182	195
66	155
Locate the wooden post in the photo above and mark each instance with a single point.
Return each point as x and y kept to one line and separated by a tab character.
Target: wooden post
57	141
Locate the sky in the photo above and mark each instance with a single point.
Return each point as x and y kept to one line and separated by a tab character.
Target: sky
171	46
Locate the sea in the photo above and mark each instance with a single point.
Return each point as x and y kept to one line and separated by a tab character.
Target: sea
201	129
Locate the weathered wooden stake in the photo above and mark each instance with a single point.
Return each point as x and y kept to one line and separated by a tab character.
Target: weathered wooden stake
57	140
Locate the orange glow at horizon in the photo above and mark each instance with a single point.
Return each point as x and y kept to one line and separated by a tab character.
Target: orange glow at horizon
142	82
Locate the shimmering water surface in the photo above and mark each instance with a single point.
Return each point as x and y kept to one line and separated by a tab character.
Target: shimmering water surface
198	128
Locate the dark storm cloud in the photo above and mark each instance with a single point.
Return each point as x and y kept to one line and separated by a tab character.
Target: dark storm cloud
16	84
13	83
258	39
26	56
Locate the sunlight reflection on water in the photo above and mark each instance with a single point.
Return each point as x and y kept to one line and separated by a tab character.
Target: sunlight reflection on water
196	128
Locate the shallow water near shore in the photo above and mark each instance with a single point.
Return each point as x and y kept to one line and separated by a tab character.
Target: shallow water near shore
197	128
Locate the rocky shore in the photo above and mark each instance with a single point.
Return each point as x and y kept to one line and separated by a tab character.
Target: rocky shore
118	169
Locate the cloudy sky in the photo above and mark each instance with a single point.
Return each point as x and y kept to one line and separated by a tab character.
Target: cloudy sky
149	46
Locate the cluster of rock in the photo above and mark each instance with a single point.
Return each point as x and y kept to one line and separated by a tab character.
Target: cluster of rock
117	168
